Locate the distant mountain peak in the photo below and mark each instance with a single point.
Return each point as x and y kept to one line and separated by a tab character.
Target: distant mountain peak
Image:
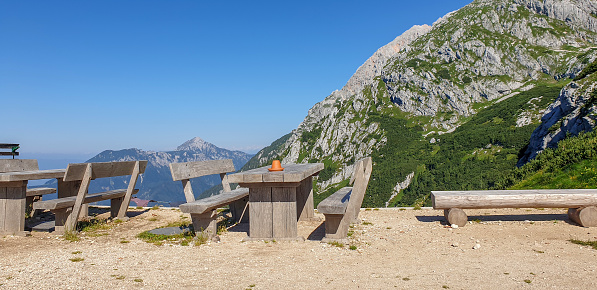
194	144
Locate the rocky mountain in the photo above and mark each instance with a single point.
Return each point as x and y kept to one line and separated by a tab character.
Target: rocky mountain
432	80
156	183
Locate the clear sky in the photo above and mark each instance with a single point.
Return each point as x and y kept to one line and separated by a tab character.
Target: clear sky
80	77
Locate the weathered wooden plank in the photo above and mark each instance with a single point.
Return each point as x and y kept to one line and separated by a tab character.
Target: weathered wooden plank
260	213
12	165
188	190
543	198
29	175
189	170
270	184
70	201
210	203
2	153
8	145
284	212
291	173
76	171
129	191
335	203
15	209
304	200
40	191
3	197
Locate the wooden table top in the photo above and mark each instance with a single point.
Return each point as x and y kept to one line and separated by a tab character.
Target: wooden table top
291	173
30	175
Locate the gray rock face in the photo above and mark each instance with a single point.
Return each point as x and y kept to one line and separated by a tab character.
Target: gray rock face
573	112
485	51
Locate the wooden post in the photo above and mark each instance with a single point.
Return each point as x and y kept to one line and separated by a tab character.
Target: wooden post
284	215
304	200
456	216
126	200
584	216
12	207
205	223
71	222
260	212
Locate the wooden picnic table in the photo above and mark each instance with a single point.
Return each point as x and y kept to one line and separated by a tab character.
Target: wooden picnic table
277	200
13	193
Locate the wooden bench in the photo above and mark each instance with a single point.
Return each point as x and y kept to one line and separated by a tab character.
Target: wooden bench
15	165
67	209
581	202
203	211
342	208
13	150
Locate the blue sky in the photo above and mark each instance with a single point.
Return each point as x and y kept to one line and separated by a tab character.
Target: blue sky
80	77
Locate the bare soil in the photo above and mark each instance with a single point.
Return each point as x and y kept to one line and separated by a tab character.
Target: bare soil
390	248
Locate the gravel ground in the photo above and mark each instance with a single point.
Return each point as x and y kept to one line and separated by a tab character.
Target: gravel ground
391	248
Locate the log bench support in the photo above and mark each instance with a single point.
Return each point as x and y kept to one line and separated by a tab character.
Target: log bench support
342	208
581	203
204	211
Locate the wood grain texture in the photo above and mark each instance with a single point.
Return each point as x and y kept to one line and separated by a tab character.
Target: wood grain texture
335	203
189	170
284	215
455	216
15	208
342	208
40	191
291	173
30	175
126	200
535	198
260	213
584	216
12	165
76	171
210	203
305	207
66	202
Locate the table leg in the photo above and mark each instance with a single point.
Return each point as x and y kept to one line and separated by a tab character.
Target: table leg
284	222
304	200
12	207
260	212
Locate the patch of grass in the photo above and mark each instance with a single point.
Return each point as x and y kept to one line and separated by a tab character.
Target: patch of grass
201	239
406	279
77	259
336	244
124	242
417	207
584	243
138	280
527	281
155	207
121	277
540	252
71	236
353	247
152	219
367	223
76	252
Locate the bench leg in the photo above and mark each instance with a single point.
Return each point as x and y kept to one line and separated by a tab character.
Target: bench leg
205	223
336	227
584	216
29	201
238	211
115	205
455	216
61	215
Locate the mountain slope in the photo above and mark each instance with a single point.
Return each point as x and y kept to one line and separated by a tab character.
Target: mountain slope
405	98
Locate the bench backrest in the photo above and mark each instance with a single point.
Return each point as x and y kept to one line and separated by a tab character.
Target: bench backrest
85	172
13	165
185	171
360	180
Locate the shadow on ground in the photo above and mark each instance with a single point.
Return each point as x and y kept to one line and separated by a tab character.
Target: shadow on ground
495	218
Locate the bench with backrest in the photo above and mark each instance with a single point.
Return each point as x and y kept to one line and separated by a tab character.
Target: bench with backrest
13	150
203	211
67	209
14	165
581	202
342	208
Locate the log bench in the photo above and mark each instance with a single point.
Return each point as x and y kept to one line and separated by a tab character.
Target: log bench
203	211
342	208
15	165
581	203
68	209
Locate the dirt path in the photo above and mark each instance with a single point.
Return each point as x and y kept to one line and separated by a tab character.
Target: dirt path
404	249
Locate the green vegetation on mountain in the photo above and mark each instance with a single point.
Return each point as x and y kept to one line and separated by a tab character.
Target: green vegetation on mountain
573	164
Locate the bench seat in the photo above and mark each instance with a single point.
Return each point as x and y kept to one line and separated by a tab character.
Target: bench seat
215	201
40	191
335	203
89	198
342	207
581	202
